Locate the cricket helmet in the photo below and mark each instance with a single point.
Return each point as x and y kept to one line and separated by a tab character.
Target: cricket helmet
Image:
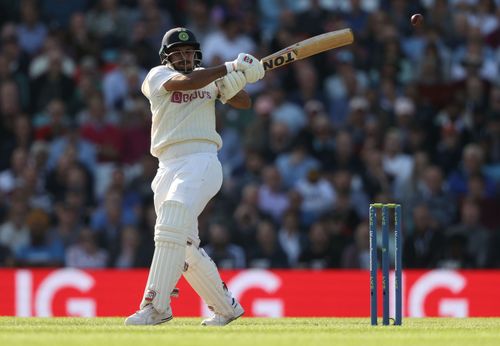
179	37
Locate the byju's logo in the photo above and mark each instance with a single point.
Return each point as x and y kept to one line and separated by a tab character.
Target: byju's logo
180	97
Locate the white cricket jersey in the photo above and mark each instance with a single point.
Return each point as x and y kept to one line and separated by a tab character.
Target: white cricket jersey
179	116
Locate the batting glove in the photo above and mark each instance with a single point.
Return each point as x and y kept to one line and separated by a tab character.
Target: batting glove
242	63
255	72
230	85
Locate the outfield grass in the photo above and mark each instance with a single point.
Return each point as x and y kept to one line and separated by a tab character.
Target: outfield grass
250	331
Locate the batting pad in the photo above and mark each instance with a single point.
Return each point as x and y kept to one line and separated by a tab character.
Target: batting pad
169	255
173	223
203	276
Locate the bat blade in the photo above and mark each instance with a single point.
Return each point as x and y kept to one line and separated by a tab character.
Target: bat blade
306	48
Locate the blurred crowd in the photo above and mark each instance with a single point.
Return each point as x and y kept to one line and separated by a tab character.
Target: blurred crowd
405	114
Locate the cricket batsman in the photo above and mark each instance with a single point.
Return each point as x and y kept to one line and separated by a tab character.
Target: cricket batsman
182	97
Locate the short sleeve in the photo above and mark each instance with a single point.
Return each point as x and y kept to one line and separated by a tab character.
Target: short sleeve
153	84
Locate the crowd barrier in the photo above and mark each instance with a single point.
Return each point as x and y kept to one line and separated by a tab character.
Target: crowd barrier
263	293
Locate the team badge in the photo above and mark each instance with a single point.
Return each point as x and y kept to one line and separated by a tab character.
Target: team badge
183	36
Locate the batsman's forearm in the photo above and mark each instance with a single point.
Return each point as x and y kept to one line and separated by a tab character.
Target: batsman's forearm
240	101
196	79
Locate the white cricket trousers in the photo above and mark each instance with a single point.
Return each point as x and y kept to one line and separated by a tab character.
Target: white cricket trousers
188	176
191	174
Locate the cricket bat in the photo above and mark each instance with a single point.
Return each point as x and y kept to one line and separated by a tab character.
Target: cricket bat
311	46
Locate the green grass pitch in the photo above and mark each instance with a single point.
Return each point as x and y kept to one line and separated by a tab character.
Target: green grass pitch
250	331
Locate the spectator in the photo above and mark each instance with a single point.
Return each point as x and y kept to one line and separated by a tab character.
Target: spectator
226	43
415	181
357	254
52	124
198	21
123	80
280	139
433	193
317	196
6	257
357	118
31	31
404	111
340	230
14	232
11	177
109	22
86	253
118	182
58	13
130	254
246	218
79	38
316	255
249	173
449	149
349	198
156	19
18	59
225	254
375	179
272	198
342	86
137	126
52	83
109	219
41	251
256	133
231	154
396	164
22	132
472	164
268	253
321	141
146	228
141	182
291	238
423	245
287	112
475	236
307	84
344	156
295	165
70	175
88	85
98	130
487	205
68	225
33	188
7	74
313	18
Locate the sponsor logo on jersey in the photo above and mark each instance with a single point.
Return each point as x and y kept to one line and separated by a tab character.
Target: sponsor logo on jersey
184	97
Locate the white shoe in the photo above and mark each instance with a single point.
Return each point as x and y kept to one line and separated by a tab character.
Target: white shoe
148	316
220	320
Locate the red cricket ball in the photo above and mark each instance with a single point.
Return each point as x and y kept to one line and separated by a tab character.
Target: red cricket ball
416	19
